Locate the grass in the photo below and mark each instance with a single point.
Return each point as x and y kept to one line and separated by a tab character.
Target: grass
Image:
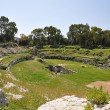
7	59
83	75
32	99
36	72
76	51
41	83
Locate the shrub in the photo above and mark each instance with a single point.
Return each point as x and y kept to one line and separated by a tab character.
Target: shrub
100	46
72	47
98	96
100	54
88	106
87	52
57	46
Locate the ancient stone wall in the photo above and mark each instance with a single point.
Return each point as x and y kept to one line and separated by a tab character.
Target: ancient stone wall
93	61
60	70
15	61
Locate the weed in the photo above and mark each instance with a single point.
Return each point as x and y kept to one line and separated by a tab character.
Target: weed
88	106
98	96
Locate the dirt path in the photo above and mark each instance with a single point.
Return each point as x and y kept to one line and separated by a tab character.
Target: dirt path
97	84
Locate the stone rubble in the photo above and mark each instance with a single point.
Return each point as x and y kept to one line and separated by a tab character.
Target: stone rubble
47	98
1	59
11	76
15	96
9	85
21	89
70	103
62	65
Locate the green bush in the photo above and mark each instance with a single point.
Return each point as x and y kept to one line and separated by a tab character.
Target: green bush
4	108
72	47
88	106
98	96
57	46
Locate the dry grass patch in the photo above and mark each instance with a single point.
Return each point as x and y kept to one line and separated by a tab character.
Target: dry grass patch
98	84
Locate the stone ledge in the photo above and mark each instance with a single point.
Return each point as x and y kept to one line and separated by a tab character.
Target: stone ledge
71	103
16	61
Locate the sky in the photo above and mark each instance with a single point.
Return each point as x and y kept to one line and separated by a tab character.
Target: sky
31	14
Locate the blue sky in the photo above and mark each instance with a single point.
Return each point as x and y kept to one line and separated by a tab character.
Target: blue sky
31	14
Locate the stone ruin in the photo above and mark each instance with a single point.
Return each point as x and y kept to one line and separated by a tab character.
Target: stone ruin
57	69
15	61
60	70
42	61
3	100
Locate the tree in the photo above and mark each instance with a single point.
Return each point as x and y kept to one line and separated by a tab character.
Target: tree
38	37
53	35
78	34
7	29
37	32
97	33
24	41
105	39
3	23
30	40
10	31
